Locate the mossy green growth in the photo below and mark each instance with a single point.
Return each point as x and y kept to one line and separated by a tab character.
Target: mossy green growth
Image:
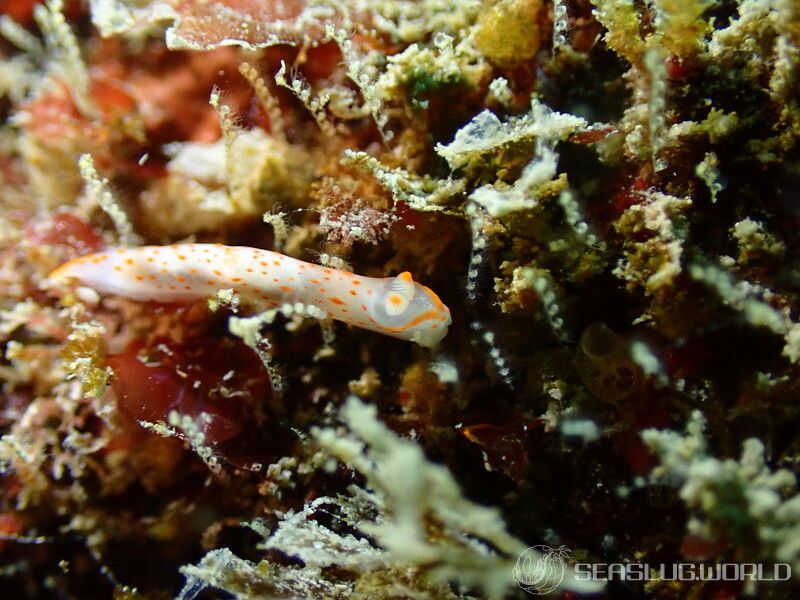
421	83
731	512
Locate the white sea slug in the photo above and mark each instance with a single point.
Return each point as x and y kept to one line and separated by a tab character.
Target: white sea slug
396	306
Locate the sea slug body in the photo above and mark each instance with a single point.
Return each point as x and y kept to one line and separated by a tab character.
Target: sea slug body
396	306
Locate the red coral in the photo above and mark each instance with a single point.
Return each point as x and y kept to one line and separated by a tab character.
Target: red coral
53	117
172	91
630	446
56	122
591	135
66	230
208	24
10	525
677	68
629	194
221	378
696	548
504	447
22	10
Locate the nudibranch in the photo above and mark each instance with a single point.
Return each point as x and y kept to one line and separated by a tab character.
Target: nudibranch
396	306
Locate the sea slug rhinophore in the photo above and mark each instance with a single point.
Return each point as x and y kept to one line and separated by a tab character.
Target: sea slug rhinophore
396	306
